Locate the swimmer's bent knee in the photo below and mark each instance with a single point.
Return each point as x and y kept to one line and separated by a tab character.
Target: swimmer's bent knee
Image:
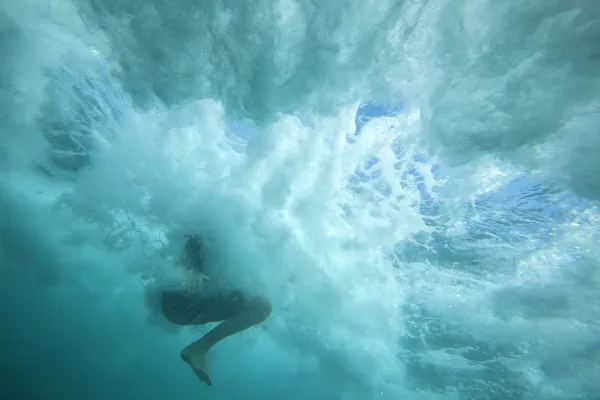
260	307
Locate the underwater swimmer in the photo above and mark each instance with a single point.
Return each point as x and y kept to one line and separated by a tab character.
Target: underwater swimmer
198	304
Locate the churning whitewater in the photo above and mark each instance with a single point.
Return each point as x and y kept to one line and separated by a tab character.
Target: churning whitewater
412	185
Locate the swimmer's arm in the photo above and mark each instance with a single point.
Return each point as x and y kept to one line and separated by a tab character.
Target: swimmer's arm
195	280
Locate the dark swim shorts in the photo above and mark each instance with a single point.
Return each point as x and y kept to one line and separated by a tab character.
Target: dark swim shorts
184	308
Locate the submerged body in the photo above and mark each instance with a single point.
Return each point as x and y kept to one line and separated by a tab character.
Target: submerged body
235	310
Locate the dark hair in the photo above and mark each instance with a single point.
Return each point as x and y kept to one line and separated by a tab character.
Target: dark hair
194	250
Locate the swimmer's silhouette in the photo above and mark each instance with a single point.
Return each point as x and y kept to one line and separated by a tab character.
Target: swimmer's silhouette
196	306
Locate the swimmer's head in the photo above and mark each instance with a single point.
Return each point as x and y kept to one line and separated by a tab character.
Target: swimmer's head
193	244
194	248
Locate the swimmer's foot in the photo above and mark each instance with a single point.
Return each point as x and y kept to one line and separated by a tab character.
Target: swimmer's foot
195	356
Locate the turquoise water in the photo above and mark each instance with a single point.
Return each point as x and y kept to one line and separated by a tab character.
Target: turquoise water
413	184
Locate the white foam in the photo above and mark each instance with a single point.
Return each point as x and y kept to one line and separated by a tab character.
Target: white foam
289	217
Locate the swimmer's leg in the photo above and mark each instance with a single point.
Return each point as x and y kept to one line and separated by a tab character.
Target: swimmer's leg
254	311
237	312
